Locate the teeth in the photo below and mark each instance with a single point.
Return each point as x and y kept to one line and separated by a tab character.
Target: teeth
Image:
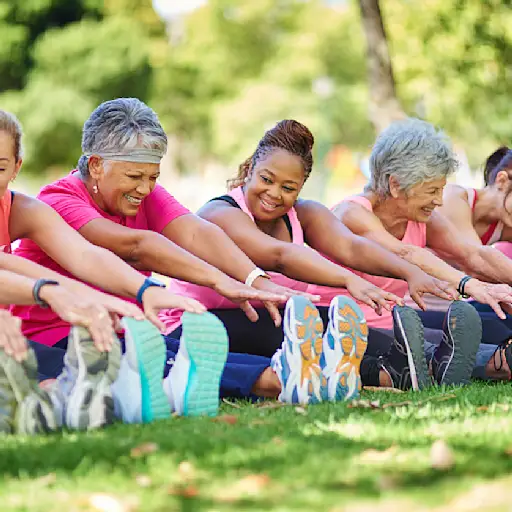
133	200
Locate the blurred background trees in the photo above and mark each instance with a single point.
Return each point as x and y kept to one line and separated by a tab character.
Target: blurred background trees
221	74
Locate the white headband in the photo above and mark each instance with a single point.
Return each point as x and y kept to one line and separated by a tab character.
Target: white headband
139	155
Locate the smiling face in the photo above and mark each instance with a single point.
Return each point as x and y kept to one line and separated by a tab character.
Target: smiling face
274	185
9	166
502	188
418	203
122	186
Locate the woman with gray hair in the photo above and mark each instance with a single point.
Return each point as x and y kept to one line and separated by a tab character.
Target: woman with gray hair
410	163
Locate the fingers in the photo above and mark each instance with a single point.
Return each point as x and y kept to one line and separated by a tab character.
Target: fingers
496	307
11	338
444	291
193	306
250	312
416	297
153	318
393	298
274	313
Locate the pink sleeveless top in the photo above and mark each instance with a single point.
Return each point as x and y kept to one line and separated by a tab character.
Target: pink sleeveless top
210	298
5	212
415	234
493	234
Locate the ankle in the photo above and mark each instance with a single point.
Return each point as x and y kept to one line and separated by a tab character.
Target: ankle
385	379
268	384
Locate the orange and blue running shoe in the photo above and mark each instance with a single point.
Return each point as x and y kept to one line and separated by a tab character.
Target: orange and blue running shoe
344	345
297	362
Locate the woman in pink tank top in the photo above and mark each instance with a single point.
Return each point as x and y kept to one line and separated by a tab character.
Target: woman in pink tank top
410	163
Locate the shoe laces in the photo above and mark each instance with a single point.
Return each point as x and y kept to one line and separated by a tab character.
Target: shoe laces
502	352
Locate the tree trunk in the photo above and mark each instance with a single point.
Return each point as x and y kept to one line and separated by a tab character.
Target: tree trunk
384	106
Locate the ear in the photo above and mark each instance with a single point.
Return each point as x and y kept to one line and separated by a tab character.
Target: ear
394	187
96	170
502	181
17	169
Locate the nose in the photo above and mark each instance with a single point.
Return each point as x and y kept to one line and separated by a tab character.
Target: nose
274	191
438	200
143	188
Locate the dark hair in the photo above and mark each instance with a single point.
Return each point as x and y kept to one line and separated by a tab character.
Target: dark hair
9	123
289	135
492	163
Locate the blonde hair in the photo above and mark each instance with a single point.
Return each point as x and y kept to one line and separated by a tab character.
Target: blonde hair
9	123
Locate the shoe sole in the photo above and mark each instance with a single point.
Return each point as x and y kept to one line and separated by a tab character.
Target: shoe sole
206	342
348	323
33	411
306	334
90	404
411	329
145	341
465	329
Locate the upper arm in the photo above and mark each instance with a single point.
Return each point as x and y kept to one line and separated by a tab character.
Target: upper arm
261	248
365	223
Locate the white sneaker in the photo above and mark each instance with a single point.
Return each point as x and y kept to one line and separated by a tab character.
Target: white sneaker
138	393
297	362
82	396
344	344
192	385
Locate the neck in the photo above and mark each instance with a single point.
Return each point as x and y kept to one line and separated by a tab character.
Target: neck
89	185
389	213
487	207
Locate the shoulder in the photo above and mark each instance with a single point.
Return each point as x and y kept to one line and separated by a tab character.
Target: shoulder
455	191
217	206
69	186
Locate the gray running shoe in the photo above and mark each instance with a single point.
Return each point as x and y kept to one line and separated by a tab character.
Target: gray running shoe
82	396
454	359
24	407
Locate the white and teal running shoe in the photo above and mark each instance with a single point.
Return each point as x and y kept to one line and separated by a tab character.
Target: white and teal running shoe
82	395
297	362
193	383
344	345
24	407
138	392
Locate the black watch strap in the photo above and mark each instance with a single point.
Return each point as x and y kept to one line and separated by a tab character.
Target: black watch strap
36	291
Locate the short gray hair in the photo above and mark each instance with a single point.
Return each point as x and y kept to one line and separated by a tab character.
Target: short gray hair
116	125
412	151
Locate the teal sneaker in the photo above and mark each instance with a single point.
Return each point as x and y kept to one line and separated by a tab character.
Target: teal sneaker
138	392
344	344
24	407
297	362
193	384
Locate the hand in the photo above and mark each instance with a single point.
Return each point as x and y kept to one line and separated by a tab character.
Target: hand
154	299
112	304
241	294
12	340
421	283
265	284
79	310
491	294
371	295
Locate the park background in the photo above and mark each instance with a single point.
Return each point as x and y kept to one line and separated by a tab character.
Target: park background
220	72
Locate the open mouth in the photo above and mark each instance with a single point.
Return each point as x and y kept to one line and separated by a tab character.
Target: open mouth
132	200
267	205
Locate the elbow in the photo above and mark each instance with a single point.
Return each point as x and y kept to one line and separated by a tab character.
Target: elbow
275	260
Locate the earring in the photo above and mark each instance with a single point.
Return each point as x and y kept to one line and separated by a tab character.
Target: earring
95	188
246	179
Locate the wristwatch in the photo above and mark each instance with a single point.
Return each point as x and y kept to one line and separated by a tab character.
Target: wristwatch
148	282
36	291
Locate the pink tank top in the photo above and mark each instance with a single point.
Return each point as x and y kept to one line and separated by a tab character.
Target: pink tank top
5	212
493	234
210	298
415	234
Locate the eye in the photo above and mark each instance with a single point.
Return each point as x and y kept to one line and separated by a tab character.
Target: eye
288	189
265	179
154	178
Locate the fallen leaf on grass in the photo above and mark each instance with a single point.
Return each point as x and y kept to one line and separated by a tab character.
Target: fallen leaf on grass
300	410
143	481
255	423
251	485
270	404
364	404
187	491
482	408
230	419
143	449
46	480
441	456
232	404
383	389
373	456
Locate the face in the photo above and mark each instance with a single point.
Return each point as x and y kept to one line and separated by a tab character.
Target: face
502	187
274	185
122	186
9	167
418	203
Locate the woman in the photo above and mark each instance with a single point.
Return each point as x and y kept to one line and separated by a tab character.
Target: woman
410	162
265	217
112	200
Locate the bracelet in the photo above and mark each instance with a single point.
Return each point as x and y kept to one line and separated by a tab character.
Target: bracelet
462	286
257	272
36	291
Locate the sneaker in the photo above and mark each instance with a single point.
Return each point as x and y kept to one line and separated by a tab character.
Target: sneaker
297	362
193	384
138	392
405	362
24	407
454	359
81	395
344	344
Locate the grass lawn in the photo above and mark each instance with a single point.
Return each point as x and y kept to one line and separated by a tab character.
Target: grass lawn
327	457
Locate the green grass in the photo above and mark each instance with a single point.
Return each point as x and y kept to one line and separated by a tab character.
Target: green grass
327	457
